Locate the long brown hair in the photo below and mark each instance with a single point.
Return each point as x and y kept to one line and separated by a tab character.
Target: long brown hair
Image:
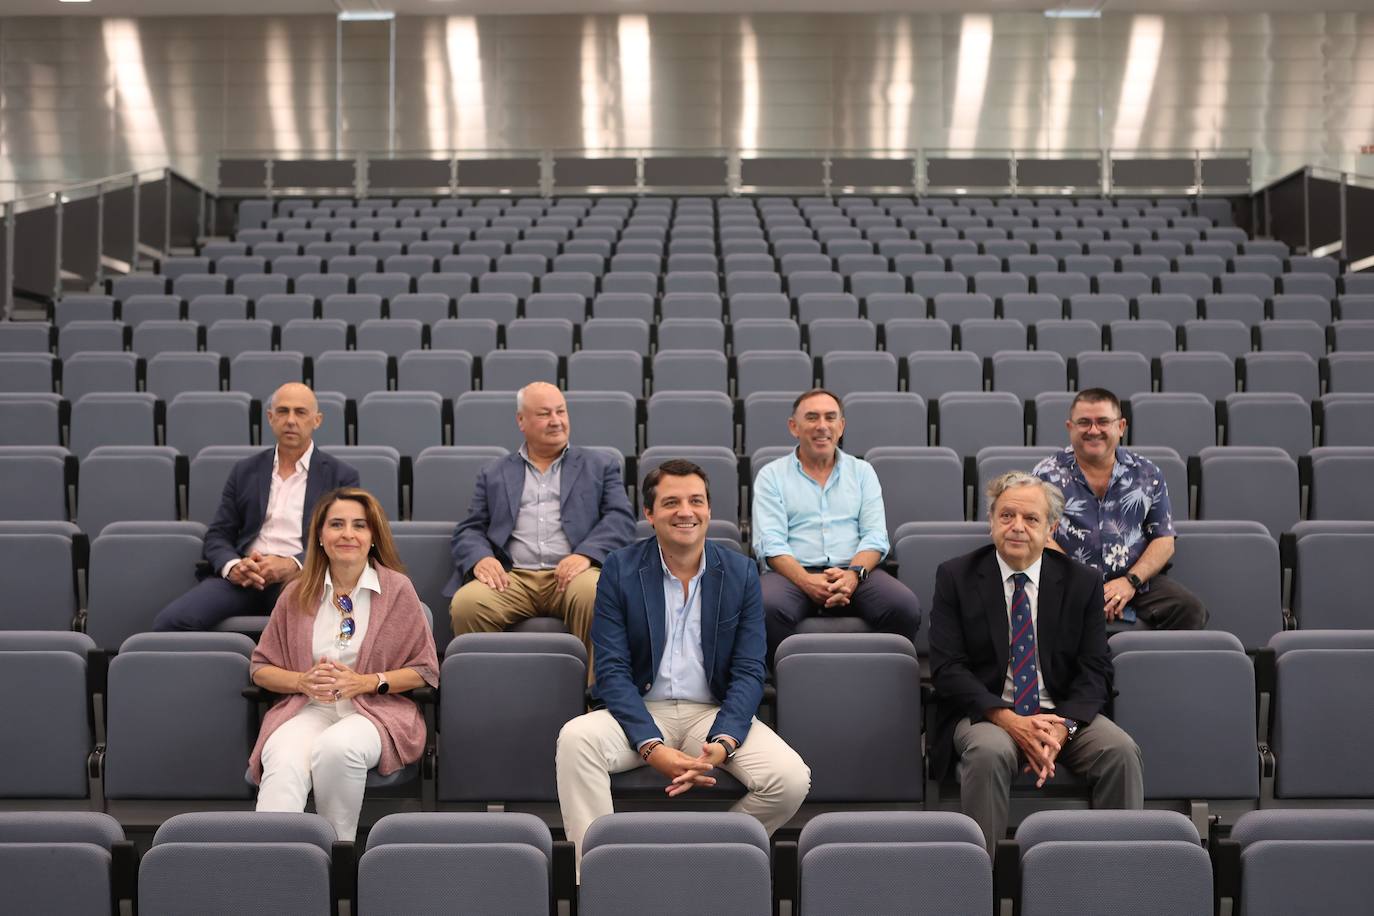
310	582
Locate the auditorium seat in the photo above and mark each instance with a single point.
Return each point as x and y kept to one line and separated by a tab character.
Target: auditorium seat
1234	568
64	862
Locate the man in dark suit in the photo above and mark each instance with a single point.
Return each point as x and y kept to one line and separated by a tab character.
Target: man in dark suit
1018	654
680	666
540	523
253	546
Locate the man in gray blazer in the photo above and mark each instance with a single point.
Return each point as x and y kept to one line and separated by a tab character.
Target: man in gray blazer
539	526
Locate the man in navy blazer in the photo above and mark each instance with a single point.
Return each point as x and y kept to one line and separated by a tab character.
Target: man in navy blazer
540	524
679	664
253	546
1019	661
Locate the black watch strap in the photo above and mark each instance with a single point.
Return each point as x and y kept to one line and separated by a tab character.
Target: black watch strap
1134	580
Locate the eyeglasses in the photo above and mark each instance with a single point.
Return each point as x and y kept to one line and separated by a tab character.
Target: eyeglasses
1087	423
346	624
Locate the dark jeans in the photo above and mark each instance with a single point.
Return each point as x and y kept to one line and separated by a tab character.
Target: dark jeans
1166	605
213	600
881	601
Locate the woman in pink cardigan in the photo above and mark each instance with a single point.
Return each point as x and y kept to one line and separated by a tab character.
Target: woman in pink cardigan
346	638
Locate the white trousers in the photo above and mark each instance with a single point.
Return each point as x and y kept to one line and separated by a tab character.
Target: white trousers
317	748
593	746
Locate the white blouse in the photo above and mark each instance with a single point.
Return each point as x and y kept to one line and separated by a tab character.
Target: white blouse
325	636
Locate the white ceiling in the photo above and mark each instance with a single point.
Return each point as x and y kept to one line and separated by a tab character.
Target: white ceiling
498	7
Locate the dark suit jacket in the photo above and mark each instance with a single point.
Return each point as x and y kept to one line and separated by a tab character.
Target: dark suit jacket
596	512
629	632
243	508
970	642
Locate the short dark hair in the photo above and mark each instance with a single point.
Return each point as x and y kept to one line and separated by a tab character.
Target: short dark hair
1096	396
813	393
673	467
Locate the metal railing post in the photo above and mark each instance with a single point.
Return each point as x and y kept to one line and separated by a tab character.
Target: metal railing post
1013	178
7	278
922	179
166	212
136	188
1307	209
547	177
57	246
1197	179
1345	228
99	272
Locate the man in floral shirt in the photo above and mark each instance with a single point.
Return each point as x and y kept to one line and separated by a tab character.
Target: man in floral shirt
1117	518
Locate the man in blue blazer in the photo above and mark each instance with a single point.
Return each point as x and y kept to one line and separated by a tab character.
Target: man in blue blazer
680	665
253	546
540	524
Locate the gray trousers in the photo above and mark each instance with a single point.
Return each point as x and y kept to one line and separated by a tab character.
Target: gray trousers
989	760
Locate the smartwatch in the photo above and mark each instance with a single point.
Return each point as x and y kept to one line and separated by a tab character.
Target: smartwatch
382	685
1134	580
860	571
727	746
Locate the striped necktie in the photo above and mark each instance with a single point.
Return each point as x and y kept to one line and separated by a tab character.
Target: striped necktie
1024	677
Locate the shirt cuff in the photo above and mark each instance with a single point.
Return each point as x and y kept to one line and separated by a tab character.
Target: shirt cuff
224	573
640	745
298	563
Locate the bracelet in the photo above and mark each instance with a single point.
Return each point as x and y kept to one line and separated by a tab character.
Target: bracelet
647	750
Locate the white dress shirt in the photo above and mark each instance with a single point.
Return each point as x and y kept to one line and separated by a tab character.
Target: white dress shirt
280	535
682	670
324	642
1033	595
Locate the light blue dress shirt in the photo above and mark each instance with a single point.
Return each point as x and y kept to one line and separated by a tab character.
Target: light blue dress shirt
819	526
682	670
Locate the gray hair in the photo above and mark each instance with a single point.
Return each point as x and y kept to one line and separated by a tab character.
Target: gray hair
1012	479
520	395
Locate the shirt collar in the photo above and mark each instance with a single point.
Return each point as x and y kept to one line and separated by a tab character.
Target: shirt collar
367	580
840	458
1122	459
668	573
1032	572
524	453
302	463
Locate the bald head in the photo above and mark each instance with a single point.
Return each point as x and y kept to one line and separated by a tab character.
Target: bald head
294	415
542	415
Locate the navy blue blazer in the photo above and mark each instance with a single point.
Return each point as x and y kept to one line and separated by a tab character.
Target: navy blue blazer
596	513
243	507
970	642
629	632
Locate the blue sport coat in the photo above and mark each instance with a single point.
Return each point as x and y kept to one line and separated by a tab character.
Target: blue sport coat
243	506
595	510
629	633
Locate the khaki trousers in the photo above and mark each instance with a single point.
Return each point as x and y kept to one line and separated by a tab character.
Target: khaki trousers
531	593
593	746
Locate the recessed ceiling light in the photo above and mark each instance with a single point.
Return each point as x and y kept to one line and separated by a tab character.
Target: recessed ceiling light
73	1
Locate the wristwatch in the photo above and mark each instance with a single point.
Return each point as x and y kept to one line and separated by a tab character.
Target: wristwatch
1134	580
727	746
382	685
860	571
1071	725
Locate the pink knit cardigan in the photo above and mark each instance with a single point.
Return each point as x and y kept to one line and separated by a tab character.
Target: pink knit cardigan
397	637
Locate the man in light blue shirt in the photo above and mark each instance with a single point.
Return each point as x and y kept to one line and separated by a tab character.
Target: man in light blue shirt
679	645
818	521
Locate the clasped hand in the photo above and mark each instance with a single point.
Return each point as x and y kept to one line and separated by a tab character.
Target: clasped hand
258	570
833	587
1040	738
684	770
330	681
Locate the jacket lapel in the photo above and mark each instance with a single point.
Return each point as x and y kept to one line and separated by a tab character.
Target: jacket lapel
995	607
513	475
1047	608
314	489
572	468
712	582
263	483
651	581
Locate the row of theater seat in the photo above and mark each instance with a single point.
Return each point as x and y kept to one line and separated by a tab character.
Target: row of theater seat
1220	733
841	864
456	277
825	322
1262	482
1117	298
418	417
929	373
111	585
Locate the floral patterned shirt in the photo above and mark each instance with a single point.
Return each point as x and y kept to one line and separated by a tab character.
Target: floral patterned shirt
1111	533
